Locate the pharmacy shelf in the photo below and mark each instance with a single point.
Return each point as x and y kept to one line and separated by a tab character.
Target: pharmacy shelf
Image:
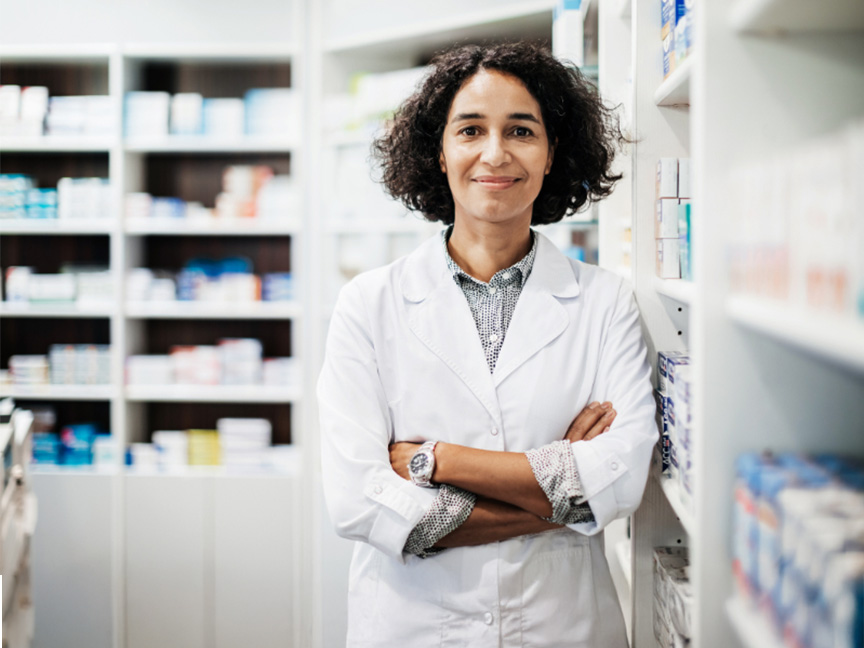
216	227
57	226
672	491
59	392
675	90
779	16
624	556
57	144
212	394
207	52
206	144
753	629
409	224
570	223
833	337
514	20
213	310
67	53
221	472
677	289
50	469
17	309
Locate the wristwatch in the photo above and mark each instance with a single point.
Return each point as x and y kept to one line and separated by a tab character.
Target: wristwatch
422	465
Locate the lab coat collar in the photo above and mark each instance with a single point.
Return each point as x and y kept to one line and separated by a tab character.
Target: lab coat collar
426	267
440	317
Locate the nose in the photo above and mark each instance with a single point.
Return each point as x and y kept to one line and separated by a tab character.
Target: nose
495	152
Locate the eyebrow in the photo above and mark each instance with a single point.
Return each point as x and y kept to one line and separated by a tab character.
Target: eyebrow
515	116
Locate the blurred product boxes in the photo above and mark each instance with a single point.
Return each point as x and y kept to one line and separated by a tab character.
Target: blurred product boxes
74	198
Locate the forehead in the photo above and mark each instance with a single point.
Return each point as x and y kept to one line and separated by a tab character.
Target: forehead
492	93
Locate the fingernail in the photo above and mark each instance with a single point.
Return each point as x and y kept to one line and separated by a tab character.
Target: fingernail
594	405
606	429
606	405
610	413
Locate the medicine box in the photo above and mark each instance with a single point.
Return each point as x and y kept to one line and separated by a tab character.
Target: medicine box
683	179
666	219
666	185
667	362
667	17
669	54
668	265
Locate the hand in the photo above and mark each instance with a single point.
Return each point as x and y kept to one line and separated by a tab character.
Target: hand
592	421
400	455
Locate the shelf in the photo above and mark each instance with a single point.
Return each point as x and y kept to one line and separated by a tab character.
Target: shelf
55	143
211	310
59	392
206	52
184	227
676	289
675	90
91	470
212	394
205	144
377	225
514	20
753	629
65	52
779	16
833	337
57	226
16	309
624	556
672	491
569	223
221	472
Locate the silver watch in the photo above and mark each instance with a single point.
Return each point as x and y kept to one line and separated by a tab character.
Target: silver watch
422	465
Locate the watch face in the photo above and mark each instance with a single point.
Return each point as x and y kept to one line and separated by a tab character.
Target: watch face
418	463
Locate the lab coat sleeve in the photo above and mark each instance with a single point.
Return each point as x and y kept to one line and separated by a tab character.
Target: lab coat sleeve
614	466
366	499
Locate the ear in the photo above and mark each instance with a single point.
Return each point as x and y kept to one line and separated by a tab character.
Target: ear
551	156
443	163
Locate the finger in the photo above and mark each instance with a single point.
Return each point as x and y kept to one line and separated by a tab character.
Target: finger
601	426
585	420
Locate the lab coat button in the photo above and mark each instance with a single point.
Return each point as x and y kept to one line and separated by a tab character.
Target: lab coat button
494	431
493	337
487	618
492	290
379	489
614	465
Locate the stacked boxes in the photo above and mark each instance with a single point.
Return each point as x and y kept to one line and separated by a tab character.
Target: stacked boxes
673	597
798	236
204	448
676	31
66	364
234	361
798	545
672	218
674	397
74	198
248	192
78	444
270	112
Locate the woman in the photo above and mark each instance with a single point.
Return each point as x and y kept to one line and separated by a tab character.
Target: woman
502	358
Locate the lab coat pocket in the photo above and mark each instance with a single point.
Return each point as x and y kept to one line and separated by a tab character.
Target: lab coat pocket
558	604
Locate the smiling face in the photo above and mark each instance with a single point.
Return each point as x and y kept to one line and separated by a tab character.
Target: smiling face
495	150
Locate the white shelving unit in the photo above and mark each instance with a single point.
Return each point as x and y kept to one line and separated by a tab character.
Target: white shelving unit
766	375
125	609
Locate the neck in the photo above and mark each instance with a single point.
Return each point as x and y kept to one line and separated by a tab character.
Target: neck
483	250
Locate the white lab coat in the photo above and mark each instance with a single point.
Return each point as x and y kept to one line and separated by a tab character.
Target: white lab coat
404	362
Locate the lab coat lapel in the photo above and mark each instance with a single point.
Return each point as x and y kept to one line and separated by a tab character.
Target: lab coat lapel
439	315
539	317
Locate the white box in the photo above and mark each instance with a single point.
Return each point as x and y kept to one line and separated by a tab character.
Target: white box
668	265
684	178
667	178
666	219
187	113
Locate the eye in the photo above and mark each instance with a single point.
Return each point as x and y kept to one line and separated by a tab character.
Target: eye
522	131
469	131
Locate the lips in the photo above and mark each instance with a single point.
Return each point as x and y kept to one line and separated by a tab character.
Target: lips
496	182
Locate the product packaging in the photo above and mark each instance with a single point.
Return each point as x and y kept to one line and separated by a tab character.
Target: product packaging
668	264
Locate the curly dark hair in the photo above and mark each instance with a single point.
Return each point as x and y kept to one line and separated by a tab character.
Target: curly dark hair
585	132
